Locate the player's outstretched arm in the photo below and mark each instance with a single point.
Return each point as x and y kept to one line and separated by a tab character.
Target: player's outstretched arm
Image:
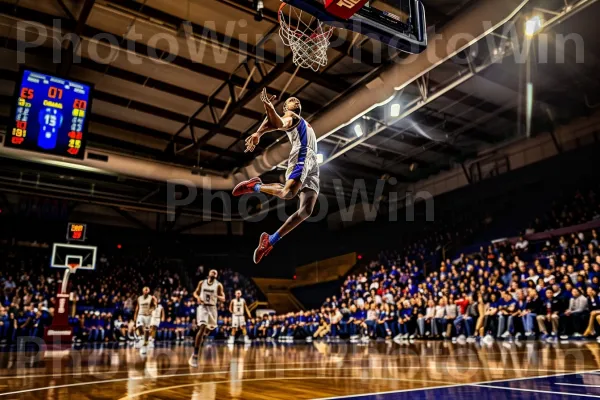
274	118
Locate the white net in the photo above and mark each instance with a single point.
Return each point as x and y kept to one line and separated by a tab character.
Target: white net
306	36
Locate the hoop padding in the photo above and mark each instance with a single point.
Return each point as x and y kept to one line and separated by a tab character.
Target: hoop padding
309	41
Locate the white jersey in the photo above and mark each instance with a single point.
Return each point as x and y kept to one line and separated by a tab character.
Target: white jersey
208	293
157	313
303	139
238	307
303	164
144	304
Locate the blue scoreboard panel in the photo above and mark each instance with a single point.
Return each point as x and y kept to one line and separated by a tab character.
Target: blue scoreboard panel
50	115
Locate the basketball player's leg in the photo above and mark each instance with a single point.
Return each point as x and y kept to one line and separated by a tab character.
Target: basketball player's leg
234	328
285	192
308	200
153	330
207	321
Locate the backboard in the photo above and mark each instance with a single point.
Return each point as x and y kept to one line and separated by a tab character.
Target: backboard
402	26
73	256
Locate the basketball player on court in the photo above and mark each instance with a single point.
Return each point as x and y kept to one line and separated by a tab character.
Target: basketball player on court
302	176
207	294
143	314
158	316
239	310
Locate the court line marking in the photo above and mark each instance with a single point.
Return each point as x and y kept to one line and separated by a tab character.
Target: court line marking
456	385
135	378
184	365
577	384
130	396
535	391
259	370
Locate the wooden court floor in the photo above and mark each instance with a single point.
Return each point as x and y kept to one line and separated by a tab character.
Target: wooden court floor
421	370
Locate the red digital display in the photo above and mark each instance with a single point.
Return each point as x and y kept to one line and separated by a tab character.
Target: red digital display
76	232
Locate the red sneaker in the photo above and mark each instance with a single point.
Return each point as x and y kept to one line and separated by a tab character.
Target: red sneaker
246	187
263	249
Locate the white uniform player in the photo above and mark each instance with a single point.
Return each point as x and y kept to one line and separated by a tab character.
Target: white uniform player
239	312
207	293
207	311
143	316
156	316
302	162
144	311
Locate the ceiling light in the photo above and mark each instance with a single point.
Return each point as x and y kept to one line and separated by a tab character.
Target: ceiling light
533	24
358	130
320	158
395	110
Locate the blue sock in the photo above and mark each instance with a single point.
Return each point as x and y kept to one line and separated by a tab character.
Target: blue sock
257	187
274	238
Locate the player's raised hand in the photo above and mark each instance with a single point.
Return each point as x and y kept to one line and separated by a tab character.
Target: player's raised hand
251	142
266	99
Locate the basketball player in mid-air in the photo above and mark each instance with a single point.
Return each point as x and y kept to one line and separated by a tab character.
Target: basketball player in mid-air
239	310
302	176
207	293
143	315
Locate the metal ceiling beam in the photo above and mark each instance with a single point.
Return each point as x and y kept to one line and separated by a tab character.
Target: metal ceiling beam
132	77
66	10
231	43
131	218
68	53
141	50
412	107
236	105
334	139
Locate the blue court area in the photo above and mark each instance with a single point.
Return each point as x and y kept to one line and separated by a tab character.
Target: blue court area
571	386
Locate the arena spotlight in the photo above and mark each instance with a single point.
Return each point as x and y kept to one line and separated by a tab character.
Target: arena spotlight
533	24
320	158
358	130
395	110
259	5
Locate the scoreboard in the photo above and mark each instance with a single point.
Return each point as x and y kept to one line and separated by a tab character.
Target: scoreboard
50	115
76	232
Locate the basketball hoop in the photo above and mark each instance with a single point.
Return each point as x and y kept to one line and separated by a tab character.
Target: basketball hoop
73	267
307	37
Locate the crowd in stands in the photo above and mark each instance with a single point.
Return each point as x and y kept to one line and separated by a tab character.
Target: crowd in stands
102	304
507	290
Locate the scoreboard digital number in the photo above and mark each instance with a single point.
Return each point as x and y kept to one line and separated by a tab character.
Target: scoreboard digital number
50	115
76	232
